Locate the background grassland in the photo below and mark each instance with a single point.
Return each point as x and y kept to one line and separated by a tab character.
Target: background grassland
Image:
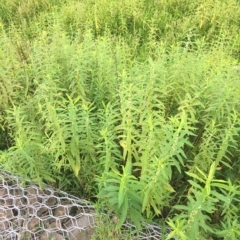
134	104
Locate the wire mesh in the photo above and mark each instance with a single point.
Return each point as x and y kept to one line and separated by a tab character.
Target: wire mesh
28	212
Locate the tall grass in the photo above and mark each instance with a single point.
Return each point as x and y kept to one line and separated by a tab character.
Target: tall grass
135	103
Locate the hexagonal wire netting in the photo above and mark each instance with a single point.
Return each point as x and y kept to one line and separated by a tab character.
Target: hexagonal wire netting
28	212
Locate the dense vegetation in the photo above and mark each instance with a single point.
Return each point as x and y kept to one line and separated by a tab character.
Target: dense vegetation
133	104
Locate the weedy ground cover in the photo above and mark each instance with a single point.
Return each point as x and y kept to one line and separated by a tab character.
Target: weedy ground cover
134	104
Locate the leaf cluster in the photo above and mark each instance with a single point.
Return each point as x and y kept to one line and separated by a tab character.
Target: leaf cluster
133	103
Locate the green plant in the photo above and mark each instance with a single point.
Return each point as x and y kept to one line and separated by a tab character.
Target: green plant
127	101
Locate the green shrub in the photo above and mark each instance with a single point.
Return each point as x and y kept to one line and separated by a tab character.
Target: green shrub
135	103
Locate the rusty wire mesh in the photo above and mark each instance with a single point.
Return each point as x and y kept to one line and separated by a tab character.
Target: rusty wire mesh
28	212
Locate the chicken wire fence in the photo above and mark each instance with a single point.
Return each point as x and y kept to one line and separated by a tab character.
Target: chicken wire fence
28	212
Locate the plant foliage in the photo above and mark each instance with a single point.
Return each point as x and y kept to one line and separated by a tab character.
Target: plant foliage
134	104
